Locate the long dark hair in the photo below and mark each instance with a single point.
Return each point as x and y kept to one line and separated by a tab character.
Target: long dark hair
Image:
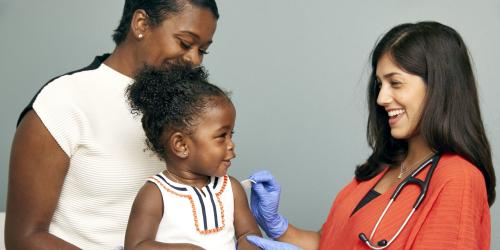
157	11
451	120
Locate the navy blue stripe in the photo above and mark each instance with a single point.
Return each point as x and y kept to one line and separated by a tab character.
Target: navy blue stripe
98	60
172	186
213	205
215	182
202	208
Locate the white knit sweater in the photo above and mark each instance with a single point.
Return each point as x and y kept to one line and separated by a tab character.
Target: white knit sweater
88	115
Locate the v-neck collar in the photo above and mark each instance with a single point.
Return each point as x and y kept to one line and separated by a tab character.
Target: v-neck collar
372	211
180	187
363	188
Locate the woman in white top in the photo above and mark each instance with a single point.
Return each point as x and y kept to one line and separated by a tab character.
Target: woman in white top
78	155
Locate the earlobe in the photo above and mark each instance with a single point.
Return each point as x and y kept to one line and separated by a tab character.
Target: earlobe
139	24
179	146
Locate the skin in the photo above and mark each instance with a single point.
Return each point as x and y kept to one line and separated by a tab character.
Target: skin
192	159
400	90
35	182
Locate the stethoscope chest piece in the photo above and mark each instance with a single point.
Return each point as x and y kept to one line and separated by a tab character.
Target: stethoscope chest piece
382	243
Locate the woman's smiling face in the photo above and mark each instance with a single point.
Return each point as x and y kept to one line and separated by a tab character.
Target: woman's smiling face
182	36
402	95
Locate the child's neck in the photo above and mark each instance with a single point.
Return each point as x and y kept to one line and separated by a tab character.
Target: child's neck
187	177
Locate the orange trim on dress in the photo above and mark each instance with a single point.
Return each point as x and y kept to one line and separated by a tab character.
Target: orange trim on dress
193	208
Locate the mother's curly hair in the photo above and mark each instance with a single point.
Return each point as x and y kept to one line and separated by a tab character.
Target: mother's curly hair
171	98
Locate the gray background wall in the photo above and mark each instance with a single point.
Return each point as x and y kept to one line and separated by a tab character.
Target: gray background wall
297	70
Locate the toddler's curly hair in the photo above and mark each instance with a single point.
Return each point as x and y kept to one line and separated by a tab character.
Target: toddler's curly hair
171	98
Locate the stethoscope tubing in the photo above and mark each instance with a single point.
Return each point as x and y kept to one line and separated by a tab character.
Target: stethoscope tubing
411	179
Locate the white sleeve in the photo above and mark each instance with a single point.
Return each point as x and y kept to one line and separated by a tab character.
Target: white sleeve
60	114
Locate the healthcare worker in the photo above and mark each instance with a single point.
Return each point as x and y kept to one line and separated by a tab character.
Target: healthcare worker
429	148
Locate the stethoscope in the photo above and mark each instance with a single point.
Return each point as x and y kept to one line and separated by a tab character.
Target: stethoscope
411	179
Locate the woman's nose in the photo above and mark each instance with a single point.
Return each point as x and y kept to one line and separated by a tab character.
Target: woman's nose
194	57
384	96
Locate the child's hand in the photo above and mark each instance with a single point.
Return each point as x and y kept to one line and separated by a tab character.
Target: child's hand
264	202
266	244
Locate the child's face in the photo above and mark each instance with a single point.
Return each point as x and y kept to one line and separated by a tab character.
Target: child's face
211	147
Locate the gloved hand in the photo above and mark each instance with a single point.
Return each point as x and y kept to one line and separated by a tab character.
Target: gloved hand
264	202
266	244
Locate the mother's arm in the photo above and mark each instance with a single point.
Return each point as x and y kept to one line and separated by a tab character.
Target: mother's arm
38	167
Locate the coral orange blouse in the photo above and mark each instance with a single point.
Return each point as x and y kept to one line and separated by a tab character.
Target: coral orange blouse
454	214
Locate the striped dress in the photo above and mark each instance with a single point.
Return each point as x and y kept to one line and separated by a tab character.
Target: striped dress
203	217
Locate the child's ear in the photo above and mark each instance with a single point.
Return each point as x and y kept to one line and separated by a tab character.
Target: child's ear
178	143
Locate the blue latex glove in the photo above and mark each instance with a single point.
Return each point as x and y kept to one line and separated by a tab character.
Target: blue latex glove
264	202
266	244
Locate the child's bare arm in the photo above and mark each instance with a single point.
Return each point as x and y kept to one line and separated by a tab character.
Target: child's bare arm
244	222
145	217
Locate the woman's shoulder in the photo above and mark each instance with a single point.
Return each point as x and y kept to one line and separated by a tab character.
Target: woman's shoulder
454	169
78	74
455	166
80	80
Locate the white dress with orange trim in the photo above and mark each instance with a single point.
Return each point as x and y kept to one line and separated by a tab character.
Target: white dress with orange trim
203	217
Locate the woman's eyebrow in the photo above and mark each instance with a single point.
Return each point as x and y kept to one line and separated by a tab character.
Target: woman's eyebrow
389	75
